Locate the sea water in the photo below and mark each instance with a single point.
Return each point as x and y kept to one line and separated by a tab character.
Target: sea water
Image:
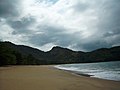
104	70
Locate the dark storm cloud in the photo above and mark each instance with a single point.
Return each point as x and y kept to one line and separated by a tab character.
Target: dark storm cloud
51	34
22	26
108	25
112	33
110	16
9	8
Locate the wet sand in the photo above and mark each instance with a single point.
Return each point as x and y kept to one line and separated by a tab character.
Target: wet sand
49	78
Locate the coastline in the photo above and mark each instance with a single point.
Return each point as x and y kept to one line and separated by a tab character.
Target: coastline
103	70
47	77
74	72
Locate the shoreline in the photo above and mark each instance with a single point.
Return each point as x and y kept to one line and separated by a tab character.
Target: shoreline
47	77
106	71
76	73
84	75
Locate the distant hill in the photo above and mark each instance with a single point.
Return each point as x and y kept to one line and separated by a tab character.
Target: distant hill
11	54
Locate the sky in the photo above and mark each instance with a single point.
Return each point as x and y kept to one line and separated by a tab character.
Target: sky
80	25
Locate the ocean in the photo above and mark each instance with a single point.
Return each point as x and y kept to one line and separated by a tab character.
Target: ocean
104	70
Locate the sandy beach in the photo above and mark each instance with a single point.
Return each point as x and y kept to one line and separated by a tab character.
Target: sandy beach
49	78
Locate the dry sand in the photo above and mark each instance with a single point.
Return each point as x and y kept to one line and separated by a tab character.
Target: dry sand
49	78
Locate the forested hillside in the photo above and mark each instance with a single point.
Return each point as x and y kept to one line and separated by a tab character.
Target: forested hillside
11	54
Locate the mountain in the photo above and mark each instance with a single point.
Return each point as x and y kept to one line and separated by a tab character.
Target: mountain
11	54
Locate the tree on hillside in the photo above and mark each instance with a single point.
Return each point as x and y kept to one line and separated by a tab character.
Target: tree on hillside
31	59
6	55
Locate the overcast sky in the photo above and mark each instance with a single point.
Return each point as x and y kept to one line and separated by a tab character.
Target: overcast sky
76	24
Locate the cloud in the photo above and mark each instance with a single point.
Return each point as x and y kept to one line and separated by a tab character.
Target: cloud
22	26
75	24
9	8
48	34
80	7
6	34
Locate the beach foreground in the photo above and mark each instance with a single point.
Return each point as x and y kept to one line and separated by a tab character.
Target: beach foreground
49	78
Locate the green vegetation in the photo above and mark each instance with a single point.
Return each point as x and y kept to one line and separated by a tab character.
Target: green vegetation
11	54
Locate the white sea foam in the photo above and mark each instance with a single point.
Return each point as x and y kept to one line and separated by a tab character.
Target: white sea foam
104	70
